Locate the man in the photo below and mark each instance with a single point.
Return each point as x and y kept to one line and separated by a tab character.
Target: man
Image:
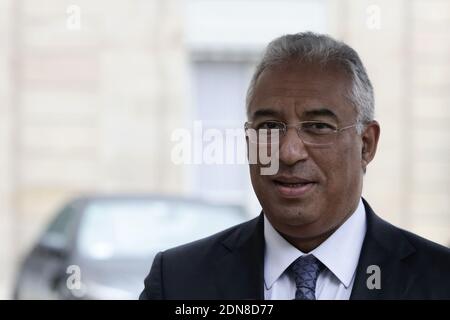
316	238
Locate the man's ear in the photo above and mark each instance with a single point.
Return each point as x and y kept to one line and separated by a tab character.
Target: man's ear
370	137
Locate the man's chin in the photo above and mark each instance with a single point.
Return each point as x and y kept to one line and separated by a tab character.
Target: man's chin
296	207
294	216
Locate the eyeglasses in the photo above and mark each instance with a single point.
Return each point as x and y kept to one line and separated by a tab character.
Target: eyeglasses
317	133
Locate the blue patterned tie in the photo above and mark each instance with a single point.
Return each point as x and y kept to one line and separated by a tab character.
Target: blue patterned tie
306	271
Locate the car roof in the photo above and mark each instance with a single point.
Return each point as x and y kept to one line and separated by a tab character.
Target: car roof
90	198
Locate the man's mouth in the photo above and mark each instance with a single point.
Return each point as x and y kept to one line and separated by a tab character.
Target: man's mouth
293	187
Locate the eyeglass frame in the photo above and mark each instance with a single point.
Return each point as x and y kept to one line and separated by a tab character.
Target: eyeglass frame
247	125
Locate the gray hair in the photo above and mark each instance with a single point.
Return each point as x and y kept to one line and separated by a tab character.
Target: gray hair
312	47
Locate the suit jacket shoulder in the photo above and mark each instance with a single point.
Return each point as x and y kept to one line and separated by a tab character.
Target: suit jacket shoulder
433	266
196	270
230	265
411	267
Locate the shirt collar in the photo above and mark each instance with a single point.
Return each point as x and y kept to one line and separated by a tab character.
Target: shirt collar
339	252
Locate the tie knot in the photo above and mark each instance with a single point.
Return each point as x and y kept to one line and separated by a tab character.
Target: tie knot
306	270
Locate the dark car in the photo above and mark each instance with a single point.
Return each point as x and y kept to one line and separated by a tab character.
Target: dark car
103	247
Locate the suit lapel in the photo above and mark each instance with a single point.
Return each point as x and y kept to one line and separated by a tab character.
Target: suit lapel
241	267
385	247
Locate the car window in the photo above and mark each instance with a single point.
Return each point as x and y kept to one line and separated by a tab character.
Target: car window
61	223
60	229
142	228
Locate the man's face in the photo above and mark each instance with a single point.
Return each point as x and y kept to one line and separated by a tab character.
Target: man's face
316	187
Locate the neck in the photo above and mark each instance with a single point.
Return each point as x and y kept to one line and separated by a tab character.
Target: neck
309	244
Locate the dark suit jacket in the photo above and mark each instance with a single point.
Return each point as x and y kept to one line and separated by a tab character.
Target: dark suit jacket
230	265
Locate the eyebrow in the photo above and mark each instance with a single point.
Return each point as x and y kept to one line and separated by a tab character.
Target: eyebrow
323	112
266	113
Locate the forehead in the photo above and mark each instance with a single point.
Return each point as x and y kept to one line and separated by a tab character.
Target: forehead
293	88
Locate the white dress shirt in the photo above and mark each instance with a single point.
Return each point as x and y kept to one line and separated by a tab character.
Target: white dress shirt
339	253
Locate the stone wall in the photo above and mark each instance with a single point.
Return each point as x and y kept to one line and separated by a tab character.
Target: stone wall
408	182
85	107
90	109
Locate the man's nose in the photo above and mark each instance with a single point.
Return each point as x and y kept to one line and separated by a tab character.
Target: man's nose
292	149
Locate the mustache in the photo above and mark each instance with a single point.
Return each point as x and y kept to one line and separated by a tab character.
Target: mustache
298	170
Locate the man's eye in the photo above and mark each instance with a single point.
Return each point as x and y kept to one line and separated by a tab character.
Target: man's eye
319	127
270	125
